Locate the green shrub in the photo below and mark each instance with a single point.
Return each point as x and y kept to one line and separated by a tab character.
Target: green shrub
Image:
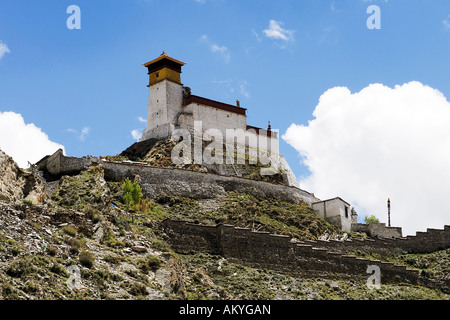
138	289
160	245
149	263
28	202
110	240
370	219
96	218
52	250
70	230
112	258
15	250
9	293
132	193
20	268
31	287
87	259
35	225
100	276
75	246
58	269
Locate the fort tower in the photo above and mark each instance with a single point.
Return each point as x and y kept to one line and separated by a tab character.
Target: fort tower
165	96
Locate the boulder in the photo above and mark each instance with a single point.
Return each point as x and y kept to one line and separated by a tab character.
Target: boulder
139	249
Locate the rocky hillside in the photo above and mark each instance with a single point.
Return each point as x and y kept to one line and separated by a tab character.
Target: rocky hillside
17	184
159	153
65	240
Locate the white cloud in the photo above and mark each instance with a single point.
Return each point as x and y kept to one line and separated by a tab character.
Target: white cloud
328	36
215	48
256	35
3	49
243	89
84	132
72	131
136	134
234	85
141	119
275	31
377	143
24	142
332	6
222	50
80	134
446	23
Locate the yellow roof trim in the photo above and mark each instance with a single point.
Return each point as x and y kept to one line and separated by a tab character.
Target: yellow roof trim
162	56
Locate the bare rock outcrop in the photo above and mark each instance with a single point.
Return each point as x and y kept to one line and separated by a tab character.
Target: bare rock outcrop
17	185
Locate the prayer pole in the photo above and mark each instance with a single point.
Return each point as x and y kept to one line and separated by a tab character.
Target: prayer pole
389	211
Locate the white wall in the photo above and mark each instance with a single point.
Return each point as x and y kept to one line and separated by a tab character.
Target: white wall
165	112
164	104
333	210
213	118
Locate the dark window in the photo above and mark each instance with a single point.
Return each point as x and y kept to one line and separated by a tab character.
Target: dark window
346	212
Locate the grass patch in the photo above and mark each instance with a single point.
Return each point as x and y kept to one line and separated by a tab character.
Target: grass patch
113	259
109	239
137	289
149	263
28	203
70	230
86	259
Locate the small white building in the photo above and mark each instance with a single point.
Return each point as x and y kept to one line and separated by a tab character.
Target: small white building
337	212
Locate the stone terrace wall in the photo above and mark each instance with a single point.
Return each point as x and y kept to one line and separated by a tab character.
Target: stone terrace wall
377	229
199	185
58	164
172	181
423	242
280	253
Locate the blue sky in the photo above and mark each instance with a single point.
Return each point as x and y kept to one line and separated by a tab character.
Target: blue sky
65	80
86	89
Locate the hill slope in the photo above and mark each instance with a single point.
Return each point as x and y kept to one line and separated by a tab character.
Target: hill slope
116	256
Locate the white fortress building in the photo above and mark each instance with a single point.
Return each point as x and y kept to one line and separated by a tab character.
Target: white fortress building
172	106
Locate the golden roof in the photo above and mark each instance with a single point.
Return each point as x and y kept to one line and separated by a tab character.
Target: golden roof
164	56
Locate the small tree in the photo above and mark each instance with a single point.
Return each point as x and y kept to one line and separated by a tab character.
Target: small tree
136	193
370	219
132	193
